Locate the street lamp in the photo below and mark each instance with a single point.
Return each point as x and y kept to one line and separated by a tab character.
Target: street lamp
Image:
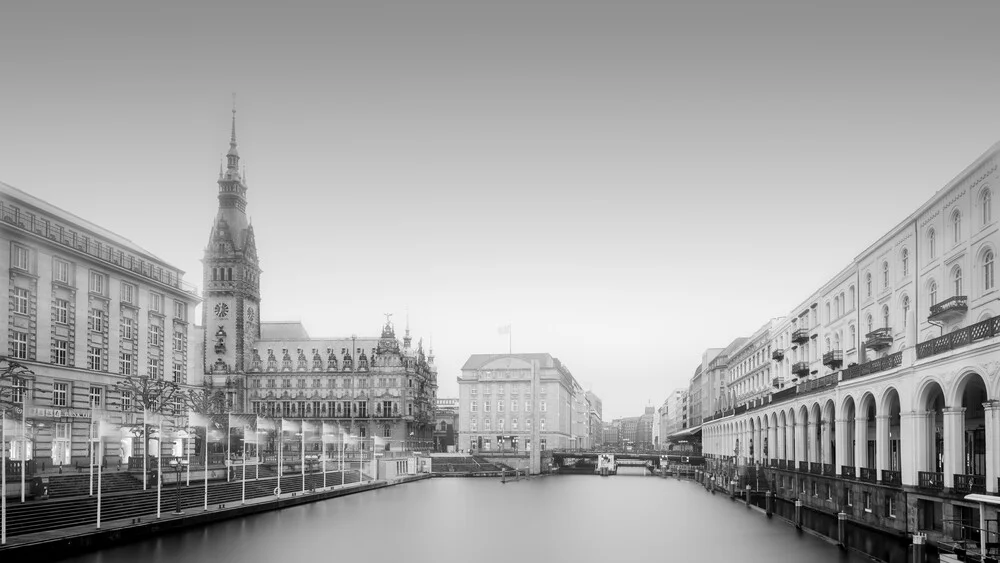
178	465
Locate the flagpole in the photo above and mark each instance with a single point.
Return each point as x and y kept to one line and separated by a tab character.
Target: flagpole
24	440
91	450
3	477
100	446
205	472
159	466
188	448
302	428
228	439
243	499
145	450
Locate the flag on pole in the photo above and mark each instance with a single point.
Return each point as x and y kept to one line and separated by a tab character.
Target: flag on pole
378	443
310	430
264	424
198	420
290	426
505	329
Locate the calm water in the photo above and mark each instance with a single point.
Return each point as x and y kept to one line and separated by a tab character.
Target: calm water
576	518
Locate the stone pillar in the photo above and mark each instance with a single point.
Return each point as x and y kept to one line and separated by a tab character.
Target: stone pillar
954	447
860	444
809	440
912	445
992	415
800	443
843	443
881	444
827	448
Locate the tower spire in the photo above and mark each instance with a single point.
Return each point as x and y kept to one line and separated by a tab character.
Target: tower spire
233	156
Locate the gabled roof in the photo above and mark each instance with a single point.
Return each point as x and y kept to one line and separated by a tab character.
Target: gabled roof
285	330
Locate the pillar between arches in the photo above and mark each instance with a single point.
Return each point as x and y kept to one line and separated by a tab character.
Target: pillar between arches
912	445
810	441
991	412
842	444
826	447
881	444
860	443
954	426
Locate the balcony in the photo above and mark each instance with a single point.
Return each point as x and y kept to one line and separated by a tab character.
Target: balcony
834	359
949	309
800	369
778	355
828	470
848	472
930	480
801	335
815	468
880	364
893	478
869	475
804	466
960	338
879	338
970	483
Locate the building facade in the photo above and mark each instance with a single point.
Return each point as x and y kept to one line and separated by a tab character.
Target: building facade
86	308
890	377
511	402
446	425
596	417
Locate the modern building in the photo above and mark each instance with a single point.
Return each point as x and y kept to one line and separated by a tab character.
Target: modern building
596	416
644	429
611	432
503	397
368	385
446	425
86	307
888	407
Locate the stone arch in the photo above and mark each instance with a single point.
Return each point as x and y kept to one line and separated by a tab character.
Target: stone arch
848	413
929	405
956	392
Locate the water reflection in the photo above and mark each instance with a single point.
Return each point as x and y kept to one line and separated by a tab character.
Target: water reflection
578	518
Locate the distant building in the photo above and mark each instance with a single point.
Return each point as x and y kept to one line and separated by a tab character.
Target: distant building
611	432
644	429
629	426
596	415
445	424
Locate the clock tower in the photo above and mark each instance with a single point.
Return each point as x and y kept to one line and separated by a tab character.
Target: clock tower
231	311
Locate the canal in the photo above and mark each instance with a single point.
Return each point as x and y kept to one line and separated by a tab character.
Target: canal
576	518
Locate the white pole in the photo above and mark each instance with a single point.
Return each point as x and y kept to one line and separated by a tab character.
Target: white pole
100	446
243	499
91	456
324	463
188	447
24	440
228	438
205	472
159	466
3	478
303	443
145	449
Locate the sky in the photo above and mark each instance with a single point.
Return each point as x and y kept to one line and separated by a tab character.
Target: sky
626	183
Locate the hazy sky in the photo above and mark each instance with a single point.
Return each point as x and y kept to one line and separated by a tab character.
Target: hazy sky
628	183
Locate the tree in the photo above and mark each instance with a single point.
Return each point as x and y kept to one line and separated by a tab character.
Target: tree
205	400
10	373
153	396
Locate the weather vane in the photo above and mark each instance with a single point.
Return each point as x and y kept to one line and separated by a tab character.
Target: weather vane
387	315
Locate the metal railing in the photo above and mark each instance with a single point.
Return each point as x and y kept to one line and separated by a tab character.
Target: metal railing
875	366
800	335
815	468
879	338
804	466
848	472
800	368
890	477
930	480
970	483
960	338
828	470
833	357
869	474
958	303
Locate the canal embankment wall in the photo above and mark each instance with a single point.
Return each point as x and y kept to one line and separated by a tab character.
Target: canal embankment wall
64	541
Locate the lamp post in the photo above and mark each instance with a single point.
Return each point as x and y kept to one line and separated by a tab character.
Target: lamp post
178	465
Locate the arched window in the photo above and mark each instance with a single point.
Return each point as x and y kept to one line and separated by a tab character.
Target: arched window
932	292
869	322
828	317
885	316
932	244
851	293
985	199
906	261
989	278
868	284
885	274
956	226
854	336
906	308
956	277
828	344
836	341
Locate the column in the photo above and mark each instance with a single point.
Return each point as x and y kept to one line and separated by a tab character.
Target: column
912	444
860	444
826	447
812	450
801	454
954	426
842	444
991	412
881	444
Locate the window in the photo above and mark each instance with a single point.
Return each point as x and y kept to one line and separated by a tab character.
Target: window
474	406
527	406
956	277
956	226
513	424
866	498
60	352
527	424
868	284
885	275
932	244
499	406
20	258
125	363
932	292
59	393
128	293
513	405
849	496
96	396
890	505
541	406
128	328
829	492
929	515
19	345
815	489
906	309
989	277
486	406
985	199
97	283
155	302
474	425
21	297
500	425
409	408
487	424
94	358
155	335
97	320
885	316
179	373
180	310
60	271
61	311
868	321
906	261
541	424
19	387
178	340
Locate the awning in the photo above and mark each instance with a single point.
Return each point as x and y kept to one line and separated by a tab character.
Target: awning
688	433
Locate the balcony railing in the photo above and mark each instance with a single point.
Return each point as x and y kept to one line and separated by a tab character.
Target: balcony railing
951	308
815	468
893	478
828	470
970	483
804	466
962	337
930	480
801	335
874	366
879	338
833	358
869	475
800	368
782	464
848	472
778	355
773	463
818	383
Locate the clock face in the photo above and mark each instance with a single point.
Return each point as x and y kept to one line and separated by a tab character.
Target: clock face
221	310
249	313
